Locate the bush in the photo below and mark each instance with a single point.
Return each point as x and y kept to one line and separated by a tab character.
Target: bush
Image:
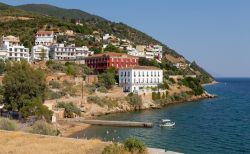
102	89
54	95
96	100
55	84
43	128
90	88
7	124
134	99
134	145
114	149
35	107
70	109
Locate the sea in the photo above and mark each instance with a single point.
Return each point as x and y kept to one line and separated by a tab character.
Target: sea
219	125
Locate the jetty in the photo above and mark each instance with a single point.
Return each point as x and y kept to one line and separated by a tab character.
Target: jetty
112	123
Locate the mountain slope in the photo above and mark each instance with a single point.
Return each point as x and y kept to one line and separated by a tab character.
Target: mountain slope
59	12
97	23
59	18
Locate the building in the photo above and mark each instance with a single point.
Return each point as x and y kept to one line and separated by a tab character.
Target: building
101	62
62	52
82	52
11	49
39	52
136	53
138	78
45	38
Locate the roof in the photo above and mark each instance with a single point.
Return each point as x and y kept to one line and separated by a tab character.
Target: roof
43	32
11	38
143	68
112	54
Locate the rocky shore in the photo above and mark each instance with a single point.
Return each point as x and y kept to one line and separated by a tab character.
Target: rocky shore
67	129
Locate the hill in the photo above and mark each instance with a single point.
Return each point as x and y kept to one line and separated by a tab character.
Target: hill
25	20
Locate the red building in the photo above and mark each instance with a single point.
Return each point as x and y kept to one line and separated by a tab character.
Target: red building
101	62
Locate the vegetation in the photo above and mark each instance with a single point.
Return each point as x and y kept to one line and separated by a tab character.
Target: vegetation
7	124
70	109
194	84
134	145
25	90
134	99
110	103
107	79
115	149
43	128
102	89
131	145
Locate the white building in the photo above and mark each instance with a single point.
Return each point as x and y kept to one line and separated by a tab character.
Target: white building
62	52
82	52
11	48
136	53
45	38
40	52
135	79
154	51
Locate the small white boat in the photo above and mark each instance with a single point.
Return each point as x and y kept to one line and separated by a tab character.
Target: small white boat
167	123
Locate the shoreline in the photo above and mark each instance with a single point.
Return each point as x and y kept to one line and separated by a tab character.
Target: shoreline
68	129
210	84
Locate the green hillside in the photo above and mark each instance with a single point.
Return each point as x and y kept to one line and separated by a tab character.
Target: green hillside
54	18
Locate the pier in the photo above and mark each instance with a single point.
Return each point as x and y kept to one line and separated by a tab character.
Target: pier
113	123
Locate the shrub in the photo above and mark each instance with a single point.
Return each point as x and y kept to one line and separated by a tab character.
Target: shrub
90	88
193	84
55	84
114	149
102	89
134	99
54	95
44	128
70	109
7	124
36	107
134	145
96	100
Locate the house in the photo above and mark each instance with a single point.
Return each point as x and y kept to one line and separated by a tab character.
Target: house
82	52
101	62
154	52
62	52
136	53
138	78
11	48
40	52
45	38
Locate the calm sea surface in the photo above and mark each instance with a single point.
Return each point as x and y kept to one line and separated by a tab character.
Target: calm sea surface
220	125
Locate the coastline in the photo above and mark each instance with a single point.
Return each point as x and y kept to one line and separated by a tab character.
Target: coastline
68	129
210	84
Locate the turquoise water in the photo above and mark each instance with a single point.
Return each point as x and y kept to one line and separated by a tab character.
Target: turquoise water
220	125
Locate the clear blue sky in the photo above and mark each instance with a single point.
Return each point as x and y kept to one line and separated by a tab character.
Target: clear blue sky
214	33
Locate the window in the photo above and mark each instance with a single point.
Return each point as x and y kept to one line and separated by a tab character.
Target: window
124	73
158	73
134	74
128	74
121	72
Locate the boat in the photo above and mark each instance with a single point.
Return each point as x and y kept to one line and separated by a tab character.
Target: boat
167	123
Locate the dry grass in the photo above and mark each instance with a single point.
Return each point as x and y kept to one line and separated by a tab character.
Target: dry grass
21	143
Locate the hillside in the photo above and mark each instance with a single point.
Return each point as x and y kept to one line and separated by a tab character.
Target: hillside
55	18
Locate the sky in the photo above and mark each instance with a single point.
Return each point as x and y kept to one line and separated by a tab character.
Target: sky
214	33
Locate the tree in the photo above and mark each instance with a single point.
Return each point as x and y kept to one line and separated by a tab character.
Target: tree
111	48
21	84
107	80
